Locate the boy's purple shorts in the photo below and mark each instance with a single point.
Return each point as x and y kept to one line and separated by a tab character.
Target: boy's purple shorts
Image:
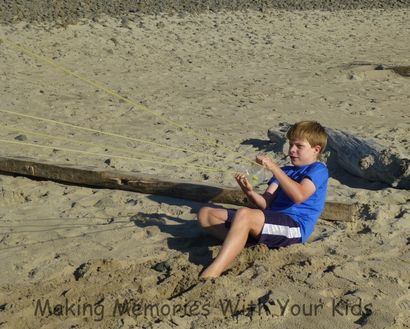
279	230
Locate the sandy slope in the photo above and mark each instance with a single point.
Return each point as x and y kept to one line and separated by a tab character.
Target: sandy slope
228	76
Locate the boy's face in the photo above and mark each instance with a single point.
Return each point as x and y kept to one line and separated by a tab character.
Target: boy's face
302	153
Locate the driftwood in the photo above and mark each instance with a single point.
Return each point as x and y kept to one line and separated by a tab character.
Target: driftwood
91	176
359	157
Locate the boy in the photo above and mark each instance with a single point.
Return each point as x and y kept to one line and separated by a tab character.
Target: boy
288	209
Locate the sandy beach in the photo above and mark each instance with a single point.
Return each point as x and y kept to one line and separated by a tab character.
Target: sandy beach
191	94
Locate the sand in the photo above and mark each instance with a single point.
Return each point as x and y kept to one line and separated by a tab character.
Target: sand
227	76
68	12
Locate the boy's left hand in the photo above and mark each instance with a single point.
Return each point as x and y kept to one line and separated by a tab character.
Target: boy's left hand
265	161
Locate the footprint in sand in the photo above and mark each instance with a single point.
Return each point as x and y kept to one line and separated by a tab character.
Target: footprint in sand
403	301
403	307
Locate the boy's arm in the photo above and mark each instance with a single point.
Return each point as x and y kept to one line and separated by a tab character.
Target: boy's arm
261	201
297	192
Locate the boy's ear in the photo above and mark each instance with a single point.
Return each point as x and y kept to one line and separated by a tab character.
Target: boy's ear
317	148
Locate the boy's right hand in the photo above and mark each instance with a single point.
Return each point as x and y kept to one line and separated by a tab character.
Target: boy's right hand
243	183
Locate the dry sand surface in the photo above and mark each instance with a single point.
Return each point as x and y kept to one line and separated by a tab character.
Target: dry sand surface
195	79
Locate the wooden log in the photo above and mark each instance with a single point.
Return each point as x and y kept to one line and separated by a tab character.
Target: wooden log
94	177
363	158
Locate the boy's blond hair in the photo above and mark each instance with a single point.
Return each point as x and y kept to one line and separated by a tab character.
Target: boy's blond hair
312	131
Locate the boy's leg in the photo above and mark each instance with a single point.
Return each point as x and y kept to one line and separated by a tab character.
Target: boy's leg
246	221
213	221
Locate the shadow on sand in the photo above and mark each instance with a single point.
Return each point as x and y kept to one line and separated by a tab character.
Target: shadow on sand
186	235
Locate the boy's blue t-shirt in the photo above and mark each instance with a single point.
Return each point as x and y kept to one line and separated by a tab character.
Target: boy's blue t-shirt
306	213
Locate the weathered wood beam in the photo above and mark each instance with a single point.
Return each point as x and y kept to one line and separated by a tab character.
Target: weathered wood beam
148	184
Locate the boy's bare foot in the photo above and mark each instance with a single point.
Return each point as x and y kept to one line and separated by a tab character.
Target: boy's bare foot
208	276
208	273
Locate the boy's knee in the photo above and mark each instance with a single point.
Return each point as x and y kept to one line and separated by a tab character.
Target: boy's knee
242	216
243	212
248	219
203	215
